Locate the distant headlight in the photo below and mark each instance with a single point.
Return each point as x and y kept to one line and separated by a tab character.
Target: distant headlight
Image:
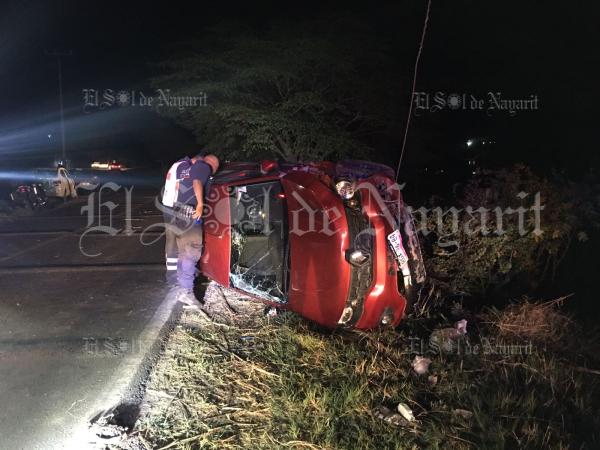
345	189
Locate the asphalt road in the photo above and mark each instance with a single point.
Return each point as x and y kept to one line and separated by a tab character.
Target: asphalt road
77	292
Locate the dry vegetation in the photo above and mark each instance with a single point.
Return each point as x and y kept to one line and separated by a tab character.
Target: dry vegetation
283	383
542	322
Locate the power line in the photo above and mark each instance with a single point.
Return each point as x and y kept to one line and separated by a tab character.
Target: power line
414	84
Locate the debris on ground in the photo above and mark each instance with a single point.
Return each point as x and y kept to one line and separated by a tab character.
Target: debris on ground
461	327
406	412
421	365
445	339
388	416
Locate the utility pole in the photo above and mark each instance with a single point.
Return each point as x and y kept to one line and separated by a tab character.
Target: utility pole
60	94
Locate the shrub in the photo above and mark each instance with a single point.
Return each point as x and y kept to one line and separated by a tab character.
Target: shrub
511	243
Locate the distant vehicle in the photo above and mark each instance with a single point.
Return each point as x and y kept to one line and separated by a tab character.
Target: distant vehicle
56	182
29	196
99	165
332	242
110	165
114	165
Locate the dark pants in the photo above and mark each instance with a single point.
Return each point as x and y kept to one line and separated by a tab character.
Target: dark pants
183	249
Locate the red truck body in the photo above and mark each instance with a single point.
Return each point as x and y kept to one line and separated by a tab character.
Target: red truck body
290	236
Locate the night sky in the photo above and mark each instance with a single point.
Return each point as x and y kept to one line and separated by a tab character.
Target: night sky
520	49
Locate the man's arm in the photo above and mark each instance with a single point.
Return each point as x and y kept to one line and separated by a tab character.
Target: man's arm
199	193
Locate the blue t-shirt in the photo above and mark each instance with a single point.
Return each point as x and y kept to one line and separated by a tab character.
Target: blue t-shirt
186	174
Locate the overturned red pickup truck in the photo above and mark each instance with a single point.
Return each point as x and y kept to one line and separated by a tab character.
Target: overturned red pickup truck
331	242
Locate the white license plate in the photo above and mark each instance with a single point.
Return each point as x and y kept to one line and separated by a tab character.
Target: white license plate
395	241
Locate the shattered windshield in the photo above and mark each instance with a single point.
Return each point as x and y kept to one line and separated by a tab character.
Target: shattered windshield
259	244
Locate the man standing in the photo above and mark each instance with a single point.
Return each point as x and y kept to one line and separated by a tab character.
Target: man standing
183	201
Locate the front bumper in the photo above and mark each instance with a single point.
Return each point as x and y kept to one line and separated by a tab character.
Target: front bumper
382	301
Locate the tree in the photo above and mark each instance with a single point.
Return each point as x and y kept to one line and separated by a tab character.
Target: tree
296	92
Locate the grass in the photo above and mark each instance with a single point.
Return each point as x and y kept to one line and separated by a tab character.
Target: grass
288	384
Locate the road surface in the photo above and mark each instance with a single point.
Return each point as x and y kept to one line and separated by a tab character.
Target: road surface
77	290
